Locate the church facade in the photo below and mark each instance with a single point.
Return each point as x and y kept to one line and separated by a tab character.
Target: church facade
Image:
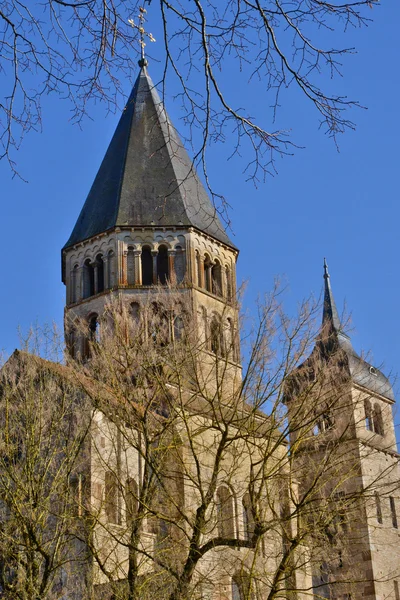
148	224
196	479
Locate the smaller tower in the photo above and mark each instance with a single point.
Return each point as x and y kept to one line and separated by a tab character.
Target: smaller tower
340	406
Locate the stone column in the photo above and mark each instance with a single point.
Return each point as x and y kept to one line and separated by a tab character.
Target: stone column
81	277
224	282
201	270
106	271
208	277
125	267
171	266
137	253
120	262
96	277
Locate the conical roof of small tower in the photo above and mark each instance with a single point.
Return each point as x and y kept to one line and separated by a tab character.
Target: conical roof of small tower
332	338
146	177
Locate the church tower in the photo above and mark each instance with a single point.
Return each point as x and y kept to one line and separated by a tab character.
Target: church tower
148	223
349	417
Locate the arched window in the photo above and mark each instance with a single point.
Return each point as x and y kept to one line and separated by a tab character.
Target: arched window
164	330
94	328
93	334
111	497
248	521
74	283
216	336
159	325
178	328
393	512
88	279
130	266
72	342
377	419
225	512
216	278
112	276
207	273
99	269
135	311
179	264
147	266
368	415
162	265
131	500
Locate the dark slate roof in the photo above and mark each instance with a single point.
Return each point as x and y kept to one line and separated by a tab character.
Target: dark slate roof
146	177
333	337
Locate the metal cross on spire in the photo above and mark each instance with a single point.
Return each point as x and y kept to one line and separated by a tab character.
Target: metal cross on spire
142	33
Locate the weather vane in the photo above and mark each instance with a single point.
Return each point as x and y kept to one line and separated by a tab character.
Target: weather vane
142	32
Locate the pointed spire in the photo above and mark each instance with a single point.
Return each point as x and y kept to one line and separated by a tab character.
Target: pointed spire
330	314
146	178
333	338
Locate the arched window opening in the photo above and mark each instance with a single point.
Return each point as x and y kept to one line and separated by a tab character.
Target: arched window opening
74	283
162	265
225	512
377	419
217	338
393	512
178	328
94	328
228	284
72	342
207	273
368	415
88	279
99	271
163	330
112	276
135	311
159	325
179	264
131	500
216	279
323	422
147	266
130	266
111	498
248	521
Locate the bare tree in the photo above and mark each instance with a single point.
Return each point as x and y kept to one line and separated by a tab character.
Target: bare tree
44	423
196	491
81	50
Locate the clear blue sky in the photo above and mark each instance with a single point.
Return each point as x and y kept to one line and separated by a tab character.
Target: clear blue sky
342	205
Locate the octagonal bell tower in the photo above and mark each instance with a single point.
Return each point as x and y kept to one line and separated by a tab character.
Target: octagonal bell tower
148	221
